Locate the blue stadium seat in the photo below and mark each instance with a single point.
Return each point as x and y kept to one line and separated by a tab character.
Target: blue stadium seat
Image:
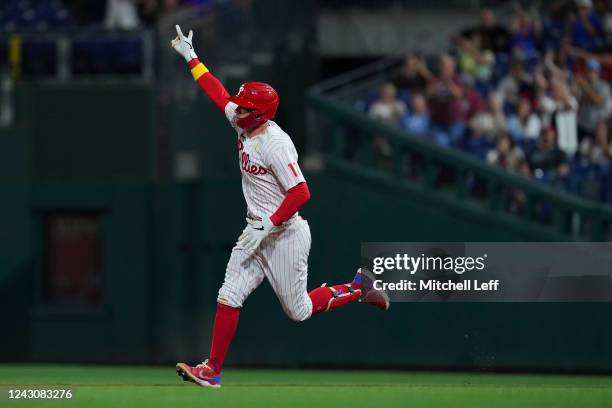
107	56
39	15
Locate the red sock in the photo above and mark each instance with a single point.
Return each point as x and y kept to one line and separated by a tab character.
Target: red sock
226	321
327	298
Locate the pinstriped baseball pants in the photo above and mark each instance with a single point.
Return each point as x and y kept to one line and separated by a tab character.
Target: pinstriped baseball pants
282	258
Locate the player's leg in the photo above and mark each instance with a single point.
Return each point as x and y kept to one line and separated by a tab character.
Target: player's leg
364	280
243	274
361	288
285	262
284	257
326	298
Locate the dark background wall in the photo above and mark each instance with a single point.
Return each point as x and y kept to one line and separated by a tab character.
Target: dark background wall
164	247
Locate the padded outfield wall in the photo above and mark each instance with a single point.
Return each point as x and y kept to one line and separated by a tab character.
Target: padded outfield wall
165	249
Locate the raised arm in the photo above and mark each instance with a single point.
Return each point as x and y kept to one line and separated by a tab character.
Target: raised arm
211	86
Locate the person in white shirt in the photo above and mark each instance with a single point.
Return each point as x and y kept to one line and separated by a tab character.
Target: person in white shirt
524	124
388	107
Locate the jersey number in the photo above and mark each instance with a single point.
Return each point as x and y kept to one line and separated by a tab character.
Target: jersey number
294	168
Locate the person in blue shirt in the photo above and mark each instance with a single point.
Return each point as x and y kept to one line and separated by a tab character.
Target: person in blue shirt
417	122
587	30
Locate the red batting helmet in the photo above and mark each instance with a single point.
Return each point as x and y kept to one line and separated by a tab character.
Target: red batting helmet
260	97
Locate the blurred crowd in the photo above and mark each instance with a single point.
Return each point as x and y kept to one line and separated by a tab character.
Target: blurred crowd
532	96
42	15
106	37
127	14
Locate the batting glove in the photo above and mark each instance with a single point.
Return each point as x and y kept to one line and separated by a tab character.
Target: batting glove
183	45
255	232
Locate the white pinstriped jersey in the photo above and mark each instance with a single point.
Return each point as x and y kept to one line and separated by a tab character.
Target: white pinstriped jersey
268	163
269	166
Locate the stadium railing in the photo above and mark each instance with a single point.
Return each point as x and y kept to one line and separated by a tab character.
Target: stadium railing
453	175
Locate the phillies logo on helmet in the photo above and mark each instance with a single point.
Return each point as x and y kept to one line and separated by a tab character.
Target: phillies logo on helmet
262	101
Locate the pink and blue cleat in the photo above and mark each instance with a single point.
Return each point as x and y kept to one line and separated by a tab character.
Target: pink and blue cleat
202	374
375	297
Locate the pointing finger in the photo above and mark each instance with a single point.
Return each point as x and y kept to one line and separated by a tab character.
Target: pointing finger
190	35
178	31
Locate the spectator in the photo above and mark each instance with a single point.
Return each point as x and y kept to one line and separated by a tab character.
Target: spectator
484	126
547	160
595	99
560	109
473	103
496	109
537	108
417	122
591	166
586	29
476	64
604	58
505	154
413	75
478	143
555	66
516	84
445	94
524	169
554	23
491	122
601	152
524	125
388	107
148	11
495	37
171	5
602	156
121	14
582	158
168	7
526	32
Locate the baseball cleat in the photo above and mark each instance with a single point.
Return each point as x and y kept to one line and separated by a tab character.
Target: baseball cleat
375	297
202	374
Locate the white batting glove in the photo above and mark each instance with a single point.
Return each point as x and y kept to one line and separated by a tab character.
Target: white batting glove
183	45
255	232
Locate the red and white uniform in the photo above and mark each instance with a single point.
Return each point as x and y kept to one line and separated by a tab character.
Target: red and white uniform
276	241
269	166
268	163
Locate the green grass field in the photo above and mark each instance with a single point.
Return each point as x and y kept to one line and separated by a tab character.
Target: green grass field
113	386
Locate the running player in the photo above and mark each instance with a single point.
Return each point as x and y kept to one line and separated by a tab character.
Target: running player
276	241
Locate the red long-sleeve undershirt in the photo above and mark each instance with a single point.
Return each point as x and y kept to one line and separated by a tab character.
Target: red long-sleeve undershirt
296	196
211	86
294	200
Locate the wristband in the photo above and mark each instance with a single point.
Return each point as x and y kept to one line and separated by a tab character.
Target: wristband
198	71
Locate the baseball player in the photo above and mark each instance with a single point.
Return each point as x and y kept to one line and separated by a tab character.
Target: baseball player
276	241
